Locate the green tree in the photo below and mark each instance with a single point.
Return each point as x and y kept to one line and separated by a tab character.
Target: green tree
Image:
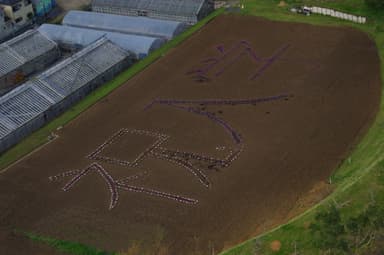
376	4
365	227
357	227
328	231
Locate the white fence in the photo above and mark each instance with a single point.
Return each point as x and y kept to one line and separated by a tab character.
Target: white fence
337	14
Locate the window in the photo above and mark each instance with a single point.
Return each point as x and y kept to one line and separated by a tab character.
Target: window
16	7
142	13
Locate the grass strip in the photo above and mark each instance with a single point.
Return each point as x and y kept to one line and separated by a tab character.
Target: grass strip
66	246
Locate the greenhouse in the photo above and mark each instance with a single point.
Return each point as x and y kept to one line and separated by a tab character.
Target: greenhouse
74	37
124	24
189	11
31	105
23	55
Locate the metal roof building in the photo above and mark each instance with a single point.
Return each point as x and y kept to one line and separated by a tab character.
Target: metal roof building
75	37
189	11
23	55
124	24
31	105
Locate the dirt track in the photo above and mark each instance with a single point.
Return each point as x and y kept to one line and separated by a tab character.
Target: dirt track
270	109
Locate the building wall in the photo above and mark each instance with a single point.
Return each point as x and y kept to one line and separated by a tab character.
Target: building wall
20	133
20	13
6	26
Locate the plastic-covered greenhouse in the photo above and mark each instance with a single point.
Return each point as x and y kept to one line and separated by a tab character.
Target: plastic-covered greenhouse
23	55
75	37
189	11
124	24
31	105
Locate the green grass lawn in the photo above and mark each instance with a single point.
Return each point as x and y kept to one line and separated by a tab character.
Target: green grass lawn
360	179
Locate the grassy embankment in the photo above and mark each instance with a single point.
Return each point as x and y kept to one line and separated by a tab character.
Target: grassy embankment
359	181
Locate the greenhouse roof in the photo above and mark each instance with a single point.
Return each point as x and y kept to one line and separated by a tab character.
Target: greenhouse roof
19	106
82	67
31	99
172	7
22	49
67	35
124	24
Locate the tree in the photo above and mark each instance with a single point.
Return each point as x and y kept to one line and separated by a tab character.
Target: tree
357	228
328	231
364	228
375	4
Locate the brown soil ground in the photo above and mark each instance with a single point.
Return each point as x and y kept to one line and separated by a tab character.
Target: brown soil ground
275	245
252	160
68	5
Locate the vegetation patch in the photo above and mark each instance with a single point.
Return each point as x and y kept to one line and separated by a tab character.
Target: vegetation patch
67	246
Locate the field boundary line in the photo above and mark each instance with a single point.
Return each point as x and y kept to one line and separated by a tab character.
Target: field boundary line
2	171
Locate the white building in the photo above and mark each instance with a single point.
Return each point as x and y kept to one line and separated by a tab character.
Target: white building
18	11
6	25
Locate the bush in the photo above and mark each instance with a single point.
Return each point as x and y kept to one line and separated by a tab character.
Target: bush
328	231
375	4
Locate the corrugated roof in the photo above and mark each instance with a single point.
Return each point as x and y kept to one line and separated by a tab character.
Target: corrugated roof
22	49
77	70
35	96
22	104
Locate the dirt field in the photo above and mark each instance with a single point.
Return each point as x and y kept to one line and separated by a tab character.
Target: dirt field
214	143
68	5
